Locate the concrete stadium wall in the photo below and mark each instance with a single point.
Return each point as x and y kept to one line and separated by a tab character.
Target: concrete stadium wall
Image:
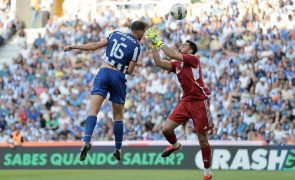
24	12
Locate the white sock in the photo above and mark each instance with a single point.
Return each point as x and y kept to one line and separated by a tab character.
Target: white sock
207	172
176	145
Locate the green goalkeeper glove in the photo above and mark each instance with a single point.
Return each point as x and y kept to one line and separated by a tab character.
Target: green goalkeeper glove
152	35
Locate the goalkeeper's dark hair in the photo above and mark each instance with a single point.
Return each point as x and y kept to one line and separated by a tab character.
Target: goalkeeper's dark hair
193	46
138	26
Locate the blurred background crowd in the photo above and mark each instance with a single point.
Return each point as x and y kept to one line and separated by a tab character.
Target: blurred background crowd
248	60
9	24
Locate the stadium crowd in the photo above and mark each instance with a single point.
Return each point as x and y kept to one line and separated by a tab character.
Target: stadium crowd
248	61
9	24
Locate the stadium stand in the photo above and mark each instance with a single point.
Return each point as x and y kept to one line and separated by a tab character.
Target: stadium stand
247	54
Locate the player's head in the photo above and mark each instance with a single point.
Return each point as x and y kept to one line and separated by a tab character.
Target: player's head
188	47
138	29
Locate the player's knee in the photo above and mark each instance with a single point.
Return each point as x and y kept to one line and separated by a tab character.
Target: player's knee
94	110
118	117
93	113
203	142
118	112
166	131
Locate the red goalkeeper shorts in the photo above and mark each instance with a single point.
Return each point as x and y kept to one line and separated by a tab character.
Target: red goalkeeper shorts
198	111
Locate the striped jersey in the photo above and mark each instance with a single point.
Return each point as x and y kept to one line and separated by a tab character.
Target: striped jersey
122	48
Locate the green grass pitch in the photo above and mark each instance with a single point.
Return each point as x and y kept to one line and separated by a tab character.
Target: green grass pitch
140	175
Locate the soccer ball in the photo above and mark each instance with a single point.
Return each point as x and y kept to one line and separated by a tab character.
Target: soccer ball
178	11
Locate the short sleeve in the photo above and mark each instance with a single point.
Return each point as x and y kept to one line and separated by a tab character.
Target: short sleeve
175	64
136	53
190	59
110	35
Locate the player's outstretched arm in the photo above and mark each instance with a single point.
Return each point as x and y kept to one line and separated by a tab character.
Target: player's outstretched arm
153	36
171	53
88	47
164	64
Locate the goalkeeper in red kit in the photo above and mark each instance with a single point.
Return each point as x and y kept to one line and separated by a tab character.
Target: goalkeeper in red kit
194	103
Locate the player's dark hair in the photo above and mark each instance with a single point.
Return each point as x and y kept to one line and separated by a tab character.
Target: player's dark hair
138	26
193	46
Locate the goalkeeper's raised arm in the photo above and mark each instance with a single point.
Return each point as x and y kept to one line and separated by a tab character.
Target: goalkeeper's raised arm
152	35
164	64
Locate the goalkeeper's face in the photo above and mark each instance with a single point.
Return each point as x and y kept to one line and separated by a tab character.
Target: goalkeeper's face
185	48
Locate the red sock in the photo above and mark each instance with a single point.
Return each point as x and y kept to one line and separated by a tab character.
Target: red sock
206	153
171	138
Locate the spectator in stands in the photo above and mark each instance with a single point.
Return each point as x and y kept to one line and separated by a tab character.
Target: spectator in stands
3	123
35	8
17	137
247	62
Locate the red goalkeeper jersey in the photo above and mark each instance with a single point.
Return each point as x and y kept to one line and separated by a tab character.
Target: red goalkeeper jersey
189	74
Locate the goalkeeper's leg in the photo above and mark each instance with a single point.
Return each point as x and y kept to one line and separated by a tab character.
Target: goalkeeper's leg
168	132
178	116
206	154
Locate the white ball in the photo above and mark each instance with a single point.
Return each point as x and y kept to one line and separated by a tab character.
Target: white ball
178	11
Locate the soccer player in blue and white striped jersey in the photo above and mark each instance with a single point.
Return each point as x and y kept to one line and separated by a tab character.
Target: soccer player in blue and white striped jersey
122	51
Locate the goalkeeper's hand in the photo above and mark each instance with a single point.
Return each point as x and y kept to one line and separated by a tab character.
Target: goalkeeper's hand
153	36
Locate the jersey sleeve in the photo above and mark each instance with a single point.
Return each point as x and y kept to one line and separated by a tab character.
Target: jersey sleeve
190	59
110	35
174	64
136	53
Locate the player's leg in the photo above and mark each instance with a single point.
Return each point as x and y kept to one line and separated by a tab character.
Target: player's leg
178	116
118	129
206	154
202	120
117	96
95	104
96	101
168	132
98	94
